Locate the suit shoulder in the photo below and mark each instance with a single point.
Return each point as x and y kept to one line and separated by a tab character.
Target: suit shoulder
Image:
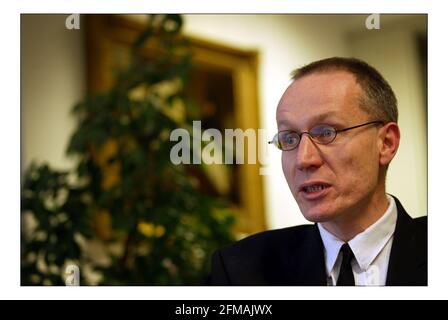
421	221
421	227
269	240
263	258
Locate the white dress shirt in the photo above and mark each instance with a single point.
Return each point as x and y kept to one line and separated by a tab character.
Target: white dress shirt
371	249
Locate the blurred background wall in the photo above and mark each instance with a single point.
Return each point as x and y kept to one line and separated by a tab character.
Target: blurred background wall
53	80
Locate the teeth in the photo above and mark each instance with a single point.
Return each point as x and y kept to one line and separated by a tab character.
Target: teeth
315	188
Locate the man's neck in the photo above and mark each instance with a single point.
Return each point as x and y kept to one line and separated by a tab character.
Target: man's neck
359	219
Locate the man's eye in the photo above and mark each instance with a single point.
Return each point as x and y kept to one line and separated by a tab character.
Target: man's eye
290	139
322	131
326	132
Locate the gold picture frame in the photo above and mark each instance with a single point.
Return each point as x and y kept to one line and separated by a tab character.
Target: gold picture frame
109	35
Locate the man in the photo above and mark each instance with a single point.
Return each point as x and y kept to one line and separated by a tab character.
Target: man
338	132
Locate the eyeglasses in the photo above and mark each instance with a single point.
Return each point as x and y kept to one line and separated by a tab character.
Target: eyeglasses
322	134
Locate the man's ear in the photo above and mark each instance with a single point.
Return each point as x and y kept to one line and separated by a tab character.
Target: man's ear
388	142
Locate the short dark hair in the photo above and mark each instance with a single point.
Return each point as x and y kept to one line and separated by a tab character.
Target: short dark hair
378	100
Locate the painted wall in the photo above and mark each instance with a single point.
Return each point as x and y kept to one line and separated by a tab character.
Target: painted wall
394	50
52	81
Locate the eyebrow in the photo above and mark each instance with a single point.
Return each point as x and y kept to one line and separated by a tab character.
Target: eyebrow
317	118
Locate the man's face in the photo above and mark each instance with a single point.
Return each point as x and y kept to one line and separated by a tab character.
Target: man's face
348	168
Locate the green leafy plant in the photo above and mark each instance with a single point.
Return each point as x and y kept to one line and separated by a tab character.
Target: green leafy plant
125	214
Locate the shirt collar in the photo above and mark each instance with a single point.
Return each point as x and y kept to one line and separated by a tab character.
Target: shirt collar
332	245
366	245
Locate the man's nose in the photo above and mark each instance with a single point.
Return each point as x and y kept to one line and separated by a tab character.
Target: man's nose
308	154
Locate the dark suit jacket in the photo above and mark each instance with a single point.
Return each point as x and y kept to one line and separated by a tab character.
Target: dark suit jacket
295	257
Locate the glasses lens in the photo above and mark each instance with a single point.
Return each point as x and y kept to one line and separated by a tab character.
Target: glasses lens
323	134
288	140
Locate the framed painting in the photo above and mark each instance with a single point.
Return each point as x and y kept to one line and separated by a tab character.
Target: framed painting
223	82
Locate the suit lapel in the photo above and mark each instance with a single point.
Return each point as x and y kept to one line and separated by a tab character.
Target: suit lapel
307	262
407	262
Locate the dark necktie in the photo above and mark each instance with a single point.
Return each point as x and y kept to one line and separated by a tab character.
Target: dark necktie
346	277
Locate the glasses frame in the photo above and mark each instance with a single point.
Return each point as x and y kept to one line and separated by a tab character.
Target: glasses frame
300	134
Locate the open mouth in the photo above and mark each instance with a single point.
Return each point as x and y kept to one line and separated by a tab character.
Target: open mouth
314	188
